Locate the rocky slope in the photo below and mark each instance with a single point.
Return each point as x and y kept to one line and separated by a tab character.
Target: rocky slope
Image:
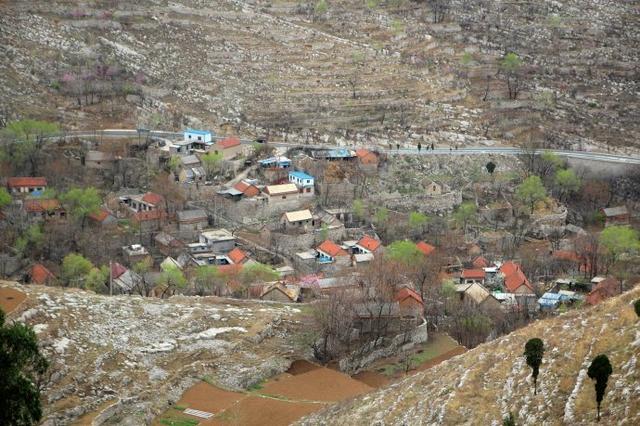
366	71
492	380
125	358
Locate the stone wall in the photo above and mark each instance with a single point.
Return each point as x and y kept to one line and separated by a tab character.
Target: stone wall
425	203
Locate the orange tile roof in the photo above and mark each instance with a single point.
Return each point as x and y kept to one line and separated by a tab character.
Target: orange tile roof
117	270
604	289
369	243
406	292
100	215
229	142
26	181
40	274
425	248
516	280
473	273
247	189
509	268
332	249
38	205
152	198
366	156
237	256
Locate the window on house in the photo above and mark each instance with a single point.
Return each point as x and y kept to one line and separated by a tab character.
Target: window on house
284	197
199	138
308	189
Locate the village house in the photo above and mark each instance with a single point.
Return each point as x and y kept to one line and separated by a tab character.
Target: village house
616	215
301	220
39	274
26	185
218	240
142	202
276	162
409	301
246	188
604	289
103	217
191	222
367	245
471	276
38	209
191	169
279	292
303	181
514	279
149	221
123	280
99	160
198	136
338	154
168	245
279	193
134	253
477	294
229	147
330	252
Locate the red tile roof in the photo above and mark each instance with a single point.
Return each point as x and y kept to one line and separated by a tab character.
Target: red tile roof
39	206
332	249
407	292
509	268
366	156
481	262
22	182
516	280
237	256
117	270
100	215
425	248
247	189
473	274
40	274
152	198
229	142
369	243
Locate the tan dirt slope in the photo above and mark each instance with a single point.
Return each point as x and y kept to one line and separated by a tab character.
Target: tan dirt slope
488	382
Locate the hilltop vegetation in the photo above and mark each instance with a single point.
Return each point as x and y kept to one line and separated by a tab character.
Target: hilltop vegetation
487	383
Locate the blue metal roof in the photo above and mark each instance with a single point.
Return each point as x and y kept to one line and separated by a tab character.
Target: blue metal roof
198	132
341	152
552	299
300	175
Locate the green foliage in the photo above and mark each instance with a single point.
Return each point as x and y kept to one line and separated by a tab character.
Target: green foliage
491	167
21	367
174	163
397	27
372	4
600	370
207	276
619	240
552	159
143	266
533	351
172	278
381	216
28	130
5	198
30	239
75	268
531	191
636	307
567	182
321	7
358	209
405	252
466	59
81	202
324	232
97	279
211	162
417	220
258	272
477	323
24	136
510	63
465	214
509	420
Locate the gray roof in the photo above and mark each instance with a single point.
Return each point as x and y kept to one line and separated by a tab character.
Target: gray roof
190	160
98	156
615	211
187	215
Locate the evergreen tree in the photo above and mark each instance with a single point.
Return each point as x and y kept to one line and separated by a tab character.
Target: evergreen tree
600	370
533	351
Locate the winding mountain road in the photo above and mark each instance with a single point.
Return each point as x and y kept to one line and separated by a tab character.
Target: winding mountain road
165	135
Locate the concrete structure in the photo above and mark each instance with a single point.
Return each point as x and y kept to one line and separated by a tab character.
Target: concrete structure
616	215
276	162
278	193
26	185
191	222
298	220
44	209
192	135
99	160
303	181
229	147
218	240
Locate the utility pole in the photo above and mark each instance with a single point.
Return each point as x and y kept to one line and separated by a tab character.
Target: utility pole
110	278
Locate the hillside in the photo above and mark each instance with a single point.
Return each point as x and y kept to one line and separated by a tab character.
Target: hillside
129	357
484	384
366	71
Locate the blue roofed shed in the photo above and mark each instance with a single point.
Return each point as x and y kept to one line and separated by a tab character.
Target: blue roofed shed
193	135
301	179
550	301
278	162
